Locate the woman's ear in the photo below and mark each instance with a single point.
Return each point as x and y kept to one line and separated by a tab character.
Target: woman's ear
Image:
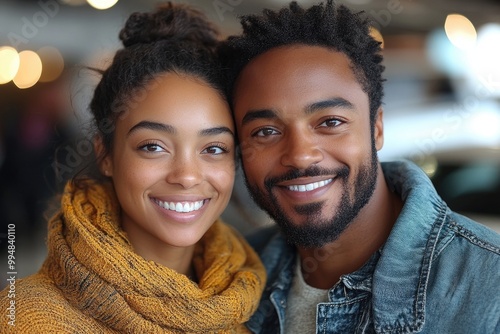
103	157
379	129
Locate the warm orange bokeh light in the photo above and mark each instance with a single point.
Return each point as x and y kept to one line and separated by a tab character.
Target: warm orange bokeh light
460	31
30	69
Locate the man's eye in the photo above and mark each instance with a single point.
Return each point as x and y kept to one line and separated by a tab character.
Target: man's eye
264	132
331	123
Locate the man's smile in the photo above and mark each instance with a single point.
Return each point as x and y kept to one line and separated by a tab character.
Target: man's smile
309	186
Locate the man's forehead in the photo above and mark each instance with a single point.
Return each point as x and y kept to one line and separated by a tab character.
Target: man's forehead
293	66
292	59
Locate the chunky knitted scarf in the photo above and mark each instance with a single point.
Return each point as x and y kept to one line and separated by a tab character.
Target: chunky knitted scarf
92	262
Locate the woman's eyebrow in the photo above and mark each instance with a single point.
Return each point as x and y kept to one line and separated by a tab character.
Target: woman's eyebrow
152	126
156	126
215	131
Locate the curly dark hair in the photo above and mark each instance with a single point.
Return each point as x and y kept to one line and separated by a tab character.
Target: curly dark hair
174	38
328	25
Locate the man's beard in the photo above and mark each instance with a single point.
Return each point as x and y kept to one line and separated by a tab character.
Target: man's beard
316	231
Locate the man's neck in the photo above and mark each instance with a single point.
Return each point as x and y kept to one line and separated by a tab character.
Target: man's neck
323	267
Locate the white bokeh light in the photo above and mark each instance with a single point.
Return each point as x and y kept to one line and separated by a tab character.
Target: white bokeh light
102	4
9	64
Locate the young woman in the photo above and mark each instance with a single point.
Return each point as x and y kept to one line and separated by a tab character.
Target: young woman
141	249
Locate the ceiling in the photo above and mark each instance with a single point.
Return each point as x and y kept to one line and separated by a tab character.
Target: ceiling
396	15
79	30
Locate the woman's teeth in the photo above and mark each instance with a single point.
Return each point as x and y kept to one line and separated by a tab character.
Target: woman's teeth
309	186
180	206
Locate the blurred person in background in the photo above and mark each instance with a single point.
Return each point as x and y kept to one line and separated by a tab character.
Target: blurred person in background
138	245
362	246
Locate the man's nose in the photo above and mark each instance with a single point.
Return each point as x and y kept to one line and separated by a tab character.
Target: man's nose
300	151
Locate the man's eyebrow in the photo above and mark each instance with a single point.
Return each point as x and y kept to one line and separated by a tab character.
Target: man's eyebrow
152	126
258	114
215	131
336	102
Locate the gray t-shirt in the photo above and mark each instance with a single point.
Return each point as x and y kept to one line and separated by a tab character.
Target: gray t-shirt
300	314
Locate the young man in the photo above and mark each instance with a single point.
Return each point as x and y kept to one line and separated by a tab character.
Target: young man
362	247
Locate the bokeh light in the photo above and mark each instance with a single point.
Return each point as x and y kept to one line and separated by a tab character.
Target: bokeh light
445	57
9	64
30	69
460	31
102	4
52	63
377	35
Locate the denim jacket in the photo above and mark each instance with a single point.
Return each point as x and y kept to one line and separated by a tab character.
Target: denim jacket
437	273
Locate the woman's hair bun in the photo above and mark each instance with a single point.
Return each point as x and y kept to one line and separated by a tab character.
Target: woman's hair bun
176	22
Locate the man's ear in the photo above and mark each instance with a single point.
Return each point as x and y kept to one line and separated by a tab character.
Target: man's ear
379	129
104	161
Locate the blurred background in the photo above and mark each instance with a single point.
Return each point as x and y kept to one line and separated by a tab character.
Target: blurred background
442	103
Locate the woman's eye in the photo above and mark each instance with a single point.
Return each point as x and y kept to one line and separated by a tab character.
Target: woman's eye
264	132
214	150
331	123
151	148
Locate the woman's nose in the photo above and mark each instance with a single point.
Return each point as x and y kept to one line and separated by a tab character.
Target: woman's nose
185	171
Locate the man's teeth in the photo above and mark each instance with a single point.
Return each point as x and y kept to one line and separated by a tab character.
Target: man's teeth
309	186
180	207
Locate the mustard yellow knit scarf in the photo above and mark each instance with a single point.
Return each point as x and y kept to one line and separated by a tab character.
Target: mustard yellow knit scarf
92	262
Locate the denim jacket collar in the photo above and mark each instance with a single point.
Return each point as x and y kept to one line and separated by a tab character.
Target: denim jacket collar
362	279
399	285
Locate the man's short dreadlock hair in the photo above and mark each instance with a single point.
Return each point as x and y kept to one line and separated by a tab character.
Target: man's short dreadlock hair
331	26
